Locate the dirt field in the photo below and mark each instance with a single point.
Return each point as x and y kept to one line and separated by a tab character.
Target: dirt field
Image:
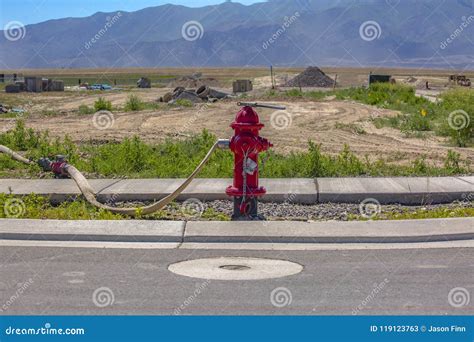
128	76
329	122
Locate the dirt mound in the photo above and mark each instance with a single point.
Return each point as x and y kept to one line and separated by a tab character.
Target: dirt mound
311	77
193	82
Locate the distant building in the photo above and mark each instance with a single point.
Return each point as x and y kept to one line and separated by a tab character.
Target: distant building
242	86
373	78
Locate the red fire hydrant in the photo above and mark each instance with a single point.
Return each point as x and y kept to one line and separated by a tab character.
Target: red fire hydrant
246	144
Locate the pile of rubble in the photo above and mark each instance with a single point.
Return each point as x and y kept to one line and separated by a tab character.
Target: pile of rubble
144	82
311	77
7	109
193	81
4	109
202	94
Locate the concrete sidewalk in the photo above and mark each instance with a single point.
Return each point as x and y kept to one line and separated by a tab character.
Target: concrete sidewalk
403	190
276	232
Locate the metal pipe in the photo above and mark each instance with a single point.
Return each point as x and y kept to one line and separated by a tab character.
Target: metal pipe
261	105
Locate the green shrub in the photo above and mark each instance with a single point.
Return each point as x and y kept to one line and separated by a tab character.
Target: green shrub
452	163
458	119
134	103
102	104
294	93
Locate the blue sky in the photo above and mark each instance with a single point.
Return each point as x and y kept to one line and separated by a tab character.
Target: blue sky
35	11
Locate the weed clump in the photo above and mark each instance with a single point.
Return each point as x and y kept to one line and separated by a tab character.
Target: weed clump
102	104
134	103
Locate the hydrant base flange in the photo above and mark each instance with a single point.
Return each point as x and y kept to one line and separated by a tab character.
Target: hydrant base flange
251	213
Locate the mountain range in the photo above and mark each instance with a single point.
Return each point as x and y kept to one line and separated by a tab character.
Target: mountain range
403	33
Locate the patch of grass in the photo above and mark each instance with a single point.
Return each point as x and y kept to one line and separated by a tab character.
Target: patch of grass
458	119
39	207
452	117
177	159
442	212
294	93
448	211
452	163
85	110
49	112
184	103
102	104
213	215
12	115
134	103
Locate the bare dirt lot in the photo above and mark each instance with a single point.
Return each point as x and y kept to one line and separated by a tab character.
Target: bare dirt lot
329	122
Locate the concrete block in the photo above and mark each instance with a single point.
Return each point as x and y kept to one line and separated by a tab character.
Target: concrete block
330	231
437	189
355	190
113	231
34	84
404	190
57	85
242	86
292	190
467	179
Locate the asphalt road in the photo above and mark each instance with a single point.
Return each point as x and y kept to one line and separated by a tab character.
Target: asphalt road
50	281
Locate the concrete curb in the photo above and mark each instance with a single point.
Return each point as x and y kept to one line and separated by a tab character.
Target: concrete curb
112	231
403	190
277	232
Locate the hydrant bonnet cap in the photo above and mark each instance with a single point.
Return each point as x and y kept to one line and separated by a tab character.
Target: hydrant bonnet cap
247	117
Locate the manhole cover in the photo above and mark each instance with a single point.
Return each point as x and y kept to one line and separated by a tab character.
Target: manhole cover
235	268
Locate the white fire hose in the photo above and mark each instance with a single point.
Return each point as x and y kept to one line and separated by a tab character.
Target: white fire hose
90	195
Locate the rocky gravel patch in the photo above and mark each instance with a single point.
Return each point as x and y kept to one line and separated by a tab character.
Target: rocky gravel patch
219	210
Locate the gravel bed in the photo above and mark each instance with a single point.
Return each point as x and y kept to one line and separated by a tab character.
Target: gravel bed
327	211
191	210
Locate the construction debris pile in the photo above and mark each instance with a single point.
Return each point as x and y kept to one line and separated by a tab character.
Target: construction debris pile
7	109
193	81
202	94
144	82
311	77
460	80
